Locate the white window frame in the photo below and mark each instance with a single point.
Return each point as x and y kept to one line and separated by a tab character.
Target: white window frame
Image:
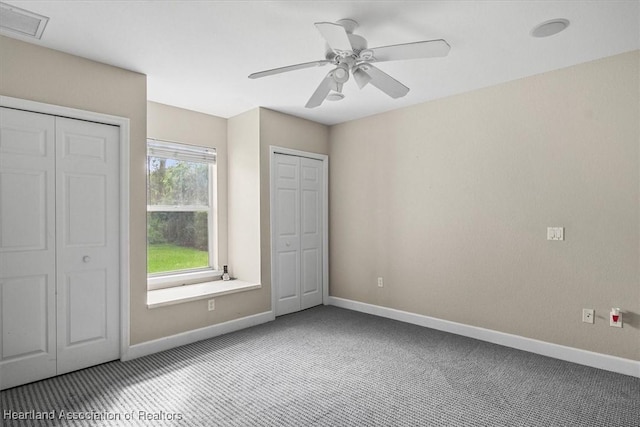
189	153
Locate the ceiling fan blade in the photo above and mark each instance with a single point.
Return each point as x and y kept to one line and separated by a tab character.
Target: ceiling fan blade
289	68
385	82
417	50
335	35
322	91
361	77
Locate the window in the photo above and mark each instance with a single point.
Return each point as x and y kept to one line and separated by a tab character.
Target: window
180	214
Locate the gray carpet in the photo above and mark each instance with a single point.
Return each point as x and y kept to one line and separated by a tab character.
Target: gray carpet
334	367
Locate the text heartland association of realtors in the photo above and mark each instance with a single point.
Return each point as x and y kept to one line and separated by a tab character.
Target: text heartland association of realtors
91	416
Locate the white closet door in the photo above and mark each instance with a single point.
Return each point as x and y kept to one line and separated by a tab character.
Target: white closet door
59	245
287	233
88	229
311	187
298	232
27	247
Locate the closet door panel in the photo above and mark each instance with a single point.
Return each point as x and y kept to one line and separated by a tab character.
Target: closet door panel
310	274
88	230
24	316
311	187
23	195
86	322
288	283
287	234
27	247
86	207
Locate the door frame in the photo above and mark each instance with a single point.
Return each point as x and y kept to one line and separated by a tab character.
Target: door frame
273	150
123	124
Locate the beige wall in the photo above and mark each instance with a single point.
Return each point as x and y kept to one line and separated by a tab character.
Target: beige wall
282	130
244	196
449	201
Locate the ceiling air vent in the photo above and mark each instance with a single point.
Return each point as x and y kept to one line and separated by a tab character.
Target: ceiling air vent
14	20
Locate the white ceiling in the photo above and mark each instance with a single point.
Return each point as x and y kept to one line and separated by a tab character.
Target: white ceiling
198	54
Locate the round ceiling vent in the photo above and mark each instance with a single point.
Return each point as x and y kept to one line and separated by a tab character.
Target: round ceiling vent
549	28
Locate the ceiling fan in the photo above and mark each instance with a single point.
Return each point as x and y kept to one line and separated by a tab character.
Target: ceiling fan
349	53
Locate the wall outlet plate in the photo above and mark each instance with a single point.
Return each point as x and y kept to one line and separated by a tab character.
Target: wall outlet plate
555	233
211	304
588	315
380	282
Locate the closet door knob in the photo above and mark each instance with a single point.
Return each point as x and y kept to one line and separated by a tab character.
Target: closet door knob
287	244
86	258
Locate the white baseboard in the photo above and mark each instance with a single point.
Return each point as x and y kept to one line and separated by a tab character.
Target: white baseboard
570	354
165	343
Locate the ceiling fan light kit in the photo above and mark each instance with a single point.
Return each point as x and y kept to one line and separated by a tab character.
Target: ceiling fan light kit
350	54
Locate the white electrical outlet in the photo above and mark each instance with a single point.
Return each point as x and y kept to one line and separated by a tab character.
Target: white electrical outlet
555	233
588	315
380	282
212	304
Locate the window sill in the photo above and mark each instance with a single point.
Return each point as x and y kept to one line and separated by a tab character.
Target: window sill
183	278
186	293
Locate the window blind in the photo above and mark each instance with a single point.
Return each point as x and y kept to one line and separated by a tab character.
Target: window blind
184	152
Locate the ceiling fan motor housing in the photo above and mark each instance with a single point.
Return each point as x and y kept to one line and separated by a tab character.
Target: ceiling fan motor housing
358	43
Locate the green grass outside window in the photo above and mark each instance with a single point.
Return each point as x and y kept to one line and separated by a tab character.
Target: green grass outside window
162	258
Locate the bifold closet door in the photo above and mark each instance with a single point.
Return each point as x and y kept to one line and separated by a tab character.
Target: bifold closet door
59	245
298	233
87	243
27	247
